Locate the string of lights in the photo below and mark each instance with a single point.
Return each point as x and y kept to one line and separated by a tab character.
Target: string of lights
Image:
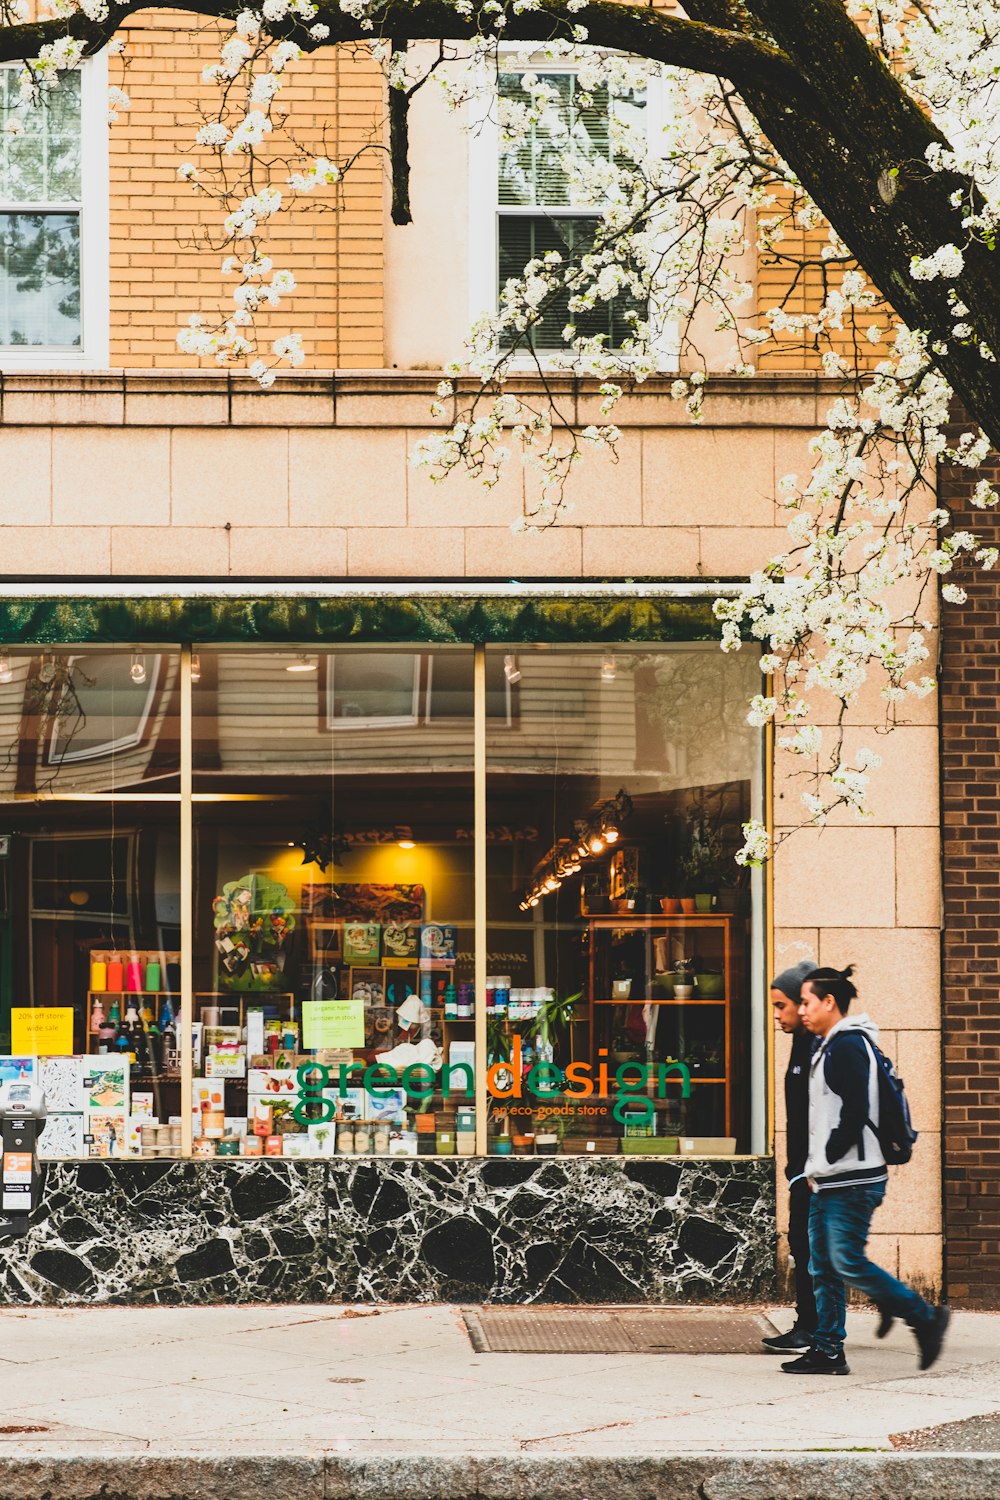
591	838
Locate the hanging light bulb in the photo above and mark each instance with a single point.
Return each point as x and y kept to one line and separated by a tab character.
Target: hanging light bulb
195	667
511	670
6	670
595	843
611	834
532	900
302	663
609	669
137	671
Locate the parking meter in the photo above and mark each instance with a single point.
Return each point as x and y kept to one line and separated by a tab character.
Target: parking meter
22	1120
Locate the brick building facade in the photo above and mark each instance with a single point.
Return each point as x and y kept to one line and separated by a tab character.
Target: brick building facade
145	477
970	764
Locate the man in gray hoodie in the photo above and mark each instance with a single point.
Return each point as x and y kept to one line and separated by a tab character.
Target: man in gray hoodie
847	1173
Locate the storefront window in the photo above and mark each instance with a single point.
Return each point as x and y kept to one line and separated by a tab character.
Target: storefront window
618	1005
89	894
333	903
258	935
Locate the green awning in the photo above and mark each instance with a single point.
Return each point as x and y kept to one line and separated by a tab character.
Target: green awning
301	618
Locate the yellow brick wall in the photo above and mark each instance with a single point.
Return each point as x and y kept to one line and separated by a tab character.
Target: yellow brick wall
162	270
781	284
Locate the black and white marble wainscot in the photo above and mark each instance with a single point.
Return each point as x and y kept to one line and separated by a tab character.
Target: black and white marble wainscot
173	1232
516	1230
568	1229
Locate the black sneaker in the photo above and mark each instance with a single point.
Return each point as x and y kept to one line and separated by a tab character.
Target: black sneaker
787	1343
886	1320
817	1363
930	1336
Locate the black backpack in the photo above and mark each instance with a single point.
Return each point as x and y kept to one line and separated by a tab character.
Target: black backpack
894	1130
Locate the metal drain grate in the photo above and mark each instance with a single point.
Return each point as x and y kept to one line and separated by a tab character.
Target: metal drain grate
625	1330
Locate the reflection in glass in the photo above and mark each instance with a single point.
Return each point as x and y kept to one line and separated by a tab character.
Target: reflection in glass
40	143
40	279
90	896
333	946
618	922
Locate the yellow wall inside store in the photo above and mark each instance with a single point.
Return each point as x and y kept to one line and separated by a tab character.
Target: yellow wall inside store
445	871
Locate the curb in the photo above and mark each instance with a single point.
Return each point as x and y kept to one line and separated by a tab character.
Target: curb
763	1476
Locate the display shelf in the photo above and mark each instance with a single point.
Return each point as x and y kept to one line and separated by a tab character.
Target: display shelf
655	1000
118	994
714	930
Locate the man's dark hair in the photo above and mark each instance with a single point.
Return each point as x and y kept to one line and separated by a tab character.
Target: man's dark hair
835	982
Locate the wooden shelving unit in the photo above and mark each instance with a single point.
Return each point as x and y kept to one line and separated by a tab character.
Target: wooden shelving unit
600	948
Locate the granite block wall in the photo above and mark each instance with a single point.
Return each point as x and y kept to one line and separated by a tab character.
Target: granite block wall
516	1230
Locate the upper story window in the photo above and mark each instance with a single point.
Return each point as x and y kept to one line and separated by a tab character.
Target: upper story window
53	223
543	192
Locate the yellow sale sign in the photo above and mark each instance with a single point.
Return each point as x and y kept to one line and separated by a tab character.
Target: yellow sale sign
46	1031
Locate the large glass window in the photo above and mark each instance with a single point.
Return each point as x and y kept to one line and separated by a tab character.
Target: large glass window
258	935
620	1003
90	925
333	901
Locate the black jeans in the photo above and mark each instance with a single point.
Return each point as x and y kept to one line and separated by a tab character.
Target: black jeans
799	1199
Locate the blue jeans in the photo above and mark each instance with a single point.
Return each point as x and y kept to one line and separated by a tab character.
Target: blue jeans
839	1220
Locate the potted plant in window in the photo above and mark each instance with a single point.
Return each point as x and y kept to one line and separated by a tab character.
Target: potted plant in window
554	1017
595	898
683	979
701	864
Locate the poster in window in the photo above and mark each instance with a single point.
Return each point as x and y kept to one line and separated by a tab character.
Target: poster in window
363	901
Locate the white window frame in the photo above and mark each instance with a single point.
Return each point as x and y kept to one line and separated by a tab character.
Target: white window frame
95	313
337	723
485	209
127	741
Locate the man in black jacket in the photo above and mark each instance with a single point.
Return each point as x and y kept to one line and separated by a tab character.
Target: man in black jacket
785	999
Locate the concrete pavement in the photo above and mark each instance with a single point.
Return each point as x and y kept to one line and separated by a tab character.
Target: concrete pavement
394	1400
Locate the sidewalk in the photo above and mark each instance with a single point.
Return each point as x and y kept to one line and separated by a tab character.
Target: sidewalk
394	1400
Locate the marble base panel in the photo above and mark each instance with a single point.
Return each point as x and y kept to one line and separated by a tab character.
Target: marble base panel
568	1229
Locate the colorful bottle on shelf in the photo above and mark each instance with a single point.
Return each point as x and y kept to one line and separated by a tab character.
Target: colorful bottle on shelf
501	994
451	1009
96	1016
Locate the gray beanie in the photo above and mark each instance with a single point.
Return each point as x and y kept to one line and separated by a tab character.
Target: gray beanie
790	981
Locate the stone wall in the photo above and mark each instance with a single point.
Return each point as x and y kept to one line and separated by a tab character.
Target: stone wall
492	1230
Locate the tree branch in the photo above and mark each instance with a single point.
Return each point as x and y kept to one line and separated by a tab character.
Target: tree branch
642	31
399	147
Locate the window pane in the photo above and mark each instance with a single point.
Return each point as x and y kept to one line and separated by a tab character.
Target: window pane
532	167
334	911
90	895
524	238
75	720
621	791
40	280
40	158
